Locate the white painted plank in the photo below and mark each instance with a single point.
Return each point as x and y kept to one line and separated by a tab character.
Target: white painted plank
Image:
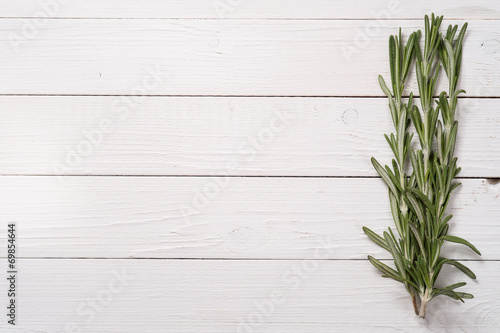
221	57
289	9
198	217
225	296
201	136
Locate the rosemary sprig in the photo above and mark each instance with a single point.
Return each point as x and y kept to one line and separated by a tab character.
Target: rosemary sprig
418	201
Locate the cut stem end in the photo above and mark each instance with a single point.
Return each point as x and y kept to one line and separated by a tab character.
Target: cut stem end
423	304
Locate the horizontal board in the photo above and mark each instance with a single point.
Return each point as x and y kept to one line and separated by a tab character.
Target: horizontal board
198	217
239	296
206	135
289	9
221	57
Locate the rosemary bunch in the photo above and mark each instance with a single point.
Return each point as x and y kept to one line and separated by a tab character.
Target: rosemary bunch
418	200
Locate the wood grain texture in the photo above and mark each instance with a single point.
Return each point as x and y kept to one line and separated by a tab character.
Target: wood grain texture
129	296
261	9
221	57
203	136
198	217
119	227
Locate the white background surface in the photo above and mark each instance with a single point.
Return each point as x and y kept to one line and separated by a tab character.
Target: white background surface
203	165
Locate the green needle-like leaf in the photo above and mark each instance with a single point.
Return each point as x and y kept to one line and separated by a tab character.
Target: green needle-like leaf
383	173
466	270
451	293
459	240
415	206
376	238
456	285
395	254
383	267
428	204
384	86
419	240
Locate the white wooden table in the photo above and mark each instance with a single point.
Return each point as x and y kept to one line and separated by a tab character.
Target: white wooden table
203	165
